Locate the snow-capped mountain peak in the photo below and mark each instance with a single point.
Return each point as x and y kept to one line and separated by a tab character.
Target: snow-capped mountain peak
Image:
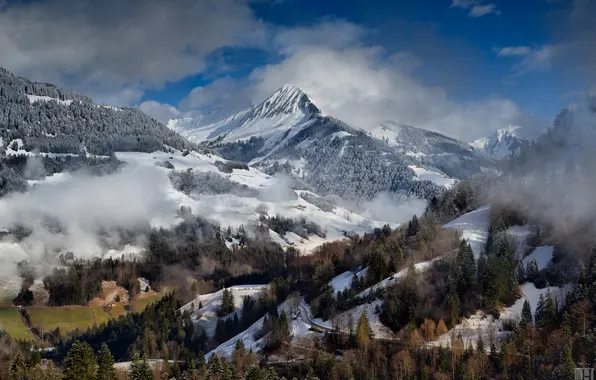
505	141
288	99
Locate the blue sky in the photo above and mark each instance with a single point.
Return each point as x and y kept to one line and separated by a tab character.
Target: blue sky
461	67
461	50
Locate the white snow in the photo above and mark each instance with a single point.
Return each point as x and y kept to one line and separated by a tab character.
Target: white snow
378	329
277	119
474	227
340	134
480	323
251	336
37	98
206	317
420	267
542	254
434	177
233	210
343	281
505	140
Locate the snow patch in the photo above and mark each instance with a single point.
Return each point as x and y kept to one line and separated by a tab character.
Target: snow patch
474	228
542	255
37	98
434	177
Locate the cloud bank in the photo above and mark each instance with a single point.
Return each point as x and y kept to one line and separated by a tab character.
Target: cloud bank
117	49
359	83
83	214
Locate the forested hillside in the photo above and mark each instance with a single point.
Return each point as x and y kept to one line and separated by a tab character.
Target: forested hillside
49	119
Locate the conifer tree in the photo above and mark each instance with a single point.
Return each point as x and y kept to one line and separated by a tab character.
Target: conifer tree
254	373
539	315
105	363
465	268
80	363
18	368
140	368
480	344
227	302
521	275
532	271
526	315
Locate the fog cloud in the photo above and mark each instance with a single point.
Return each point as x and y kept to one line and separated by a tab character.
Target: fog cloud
83	214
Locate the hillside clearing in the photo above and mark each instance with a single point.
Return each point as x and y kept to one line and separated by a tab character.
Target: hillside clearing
11	322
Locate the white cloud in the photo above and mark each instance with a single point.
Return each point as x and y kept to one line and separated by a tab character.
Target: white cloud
361	85
158	111
531	59
107	46
476	8
513	51
482	10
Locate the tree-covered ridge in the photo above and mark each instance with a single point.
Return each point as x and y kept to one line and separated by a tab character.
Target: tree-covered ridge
338	159
16	85
79	127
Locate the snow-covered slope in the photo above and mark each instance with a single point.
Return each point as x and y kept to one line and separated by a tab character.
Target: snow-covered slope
505	141
474	227
287	108
206	317
267	194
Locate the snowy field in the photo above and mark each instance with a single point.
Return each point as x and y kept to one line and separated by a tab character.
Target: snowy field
233	210
542	255
343	281
432	176
206	317
474	228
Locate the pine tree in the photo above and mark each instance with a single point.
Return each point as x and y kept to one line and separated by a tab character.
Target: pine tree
532	271
539	315
18	368
550	311
105	363
521	275
254	373
413	226
227	302
80	363
480	344
465	268
140	369
526	315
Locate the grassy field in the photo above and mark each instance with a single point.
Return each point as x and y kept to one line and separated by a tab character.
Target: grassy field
67	318
140	304
11	322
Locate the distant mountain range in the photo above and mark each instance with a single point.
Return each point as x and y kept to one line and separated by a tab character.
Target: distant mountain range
288	133
506	141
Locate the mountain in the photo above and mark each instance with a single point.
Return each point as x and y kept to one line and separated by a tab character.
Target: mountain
505	141
289	133
286	109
